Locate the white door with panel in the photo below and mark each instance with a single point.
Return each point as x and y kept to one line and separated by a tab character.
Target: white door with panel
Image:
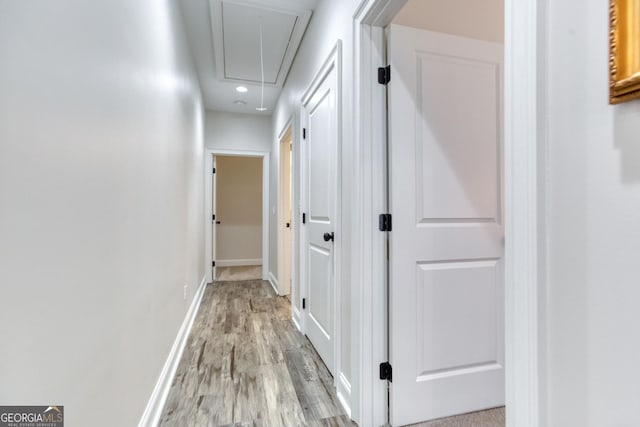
447	242
320	118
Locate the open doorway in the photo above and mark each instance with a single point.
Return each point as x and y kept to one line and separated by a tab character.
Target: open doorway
446	194
444	173
237	200
285	220
238	218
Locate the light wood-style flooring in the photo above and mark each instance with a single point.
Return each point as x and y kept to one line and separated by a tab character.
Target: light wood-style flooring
245	364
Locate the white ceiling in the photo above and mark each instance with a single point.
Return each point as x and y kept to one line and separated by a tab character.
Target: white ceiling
234	41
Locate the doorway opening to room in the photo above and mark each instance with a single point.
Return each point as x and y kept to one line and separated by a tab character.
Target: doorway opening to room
238	248
446	194
285	219
432	135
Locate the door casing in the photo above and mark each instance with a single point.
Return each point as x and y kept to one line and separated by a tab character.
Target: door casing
296	242
285	198
209	244
525	92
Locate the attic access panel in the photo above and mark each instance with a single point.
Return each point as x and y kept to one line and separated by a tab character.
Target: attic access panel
236	40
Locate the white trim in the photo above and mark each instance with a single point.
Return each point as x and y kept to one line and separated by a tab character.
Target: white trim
208	206
266	225
296	219
209	153
238	262
295	318
241	153
333	61
279	219
302	238
525	141
369	290
524	227
273	281
344	393
153	410
296	222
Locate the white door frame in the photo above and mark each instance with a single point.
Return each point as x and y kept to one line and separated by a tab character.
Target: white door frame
296	222
524	226
209	153
282	287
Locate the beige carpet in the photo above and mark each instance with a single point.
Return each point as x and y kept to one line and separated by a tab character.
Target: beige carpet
249	272
488	418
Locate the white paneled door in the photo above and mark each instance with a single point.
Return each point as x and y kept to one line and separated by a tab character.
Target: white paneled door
447	243
320	192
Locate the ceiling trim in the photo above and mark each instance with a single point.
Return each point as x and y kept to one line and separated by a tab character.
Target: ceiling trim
217	33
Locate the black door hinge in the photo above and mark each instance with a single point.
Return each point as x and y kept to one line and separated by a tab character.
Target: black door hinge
213	263
304	303
304	218
214	170
384	222
213	217
304	133
384	75
385	371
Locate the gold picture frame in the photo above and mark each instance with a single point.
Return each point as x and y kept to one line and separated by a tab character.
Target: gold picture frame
624	54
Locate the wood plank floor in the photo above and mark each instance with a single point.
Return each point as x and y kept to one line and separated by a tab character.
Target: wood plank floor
245	364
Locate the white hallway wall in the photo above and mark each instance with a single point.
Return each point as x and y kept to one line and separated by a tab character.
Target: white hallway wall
233	131
593	183
101	202
332	20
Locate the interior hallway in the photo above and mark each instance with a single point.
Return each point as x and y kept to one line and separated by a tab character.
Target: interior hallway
246	364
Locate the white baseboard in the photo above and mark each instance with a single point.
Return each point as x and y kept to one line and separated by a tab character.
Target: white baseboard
274	283
344	393
237	262
153	411
295	317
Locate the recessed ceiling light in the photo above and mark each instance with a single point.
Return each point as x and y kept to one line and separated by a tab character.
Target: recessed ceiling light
239	102
261	108
242	89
